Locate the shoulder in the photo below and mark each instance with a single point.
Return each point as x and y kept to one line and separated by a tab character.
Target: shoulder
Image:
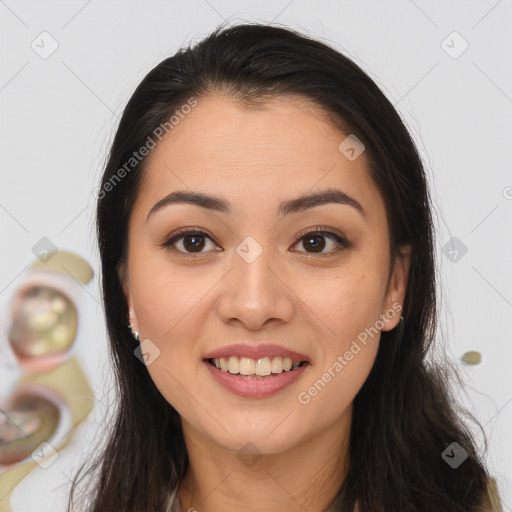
490	498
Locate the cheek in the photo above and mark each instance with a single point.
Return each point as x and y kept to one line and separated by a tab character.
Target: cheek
347	345
165	300
347	302
171	314
173	322
333	388
348	340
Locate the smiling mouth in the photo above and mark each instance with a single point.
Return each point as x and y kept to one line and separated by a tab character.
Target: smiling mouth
262	368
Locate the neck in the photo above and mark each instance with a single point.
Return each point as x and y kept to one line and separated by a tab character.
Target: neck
306	477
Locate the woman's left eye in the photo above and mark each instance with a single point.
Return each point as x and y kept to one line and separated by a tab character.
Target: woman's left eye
194	241
316	241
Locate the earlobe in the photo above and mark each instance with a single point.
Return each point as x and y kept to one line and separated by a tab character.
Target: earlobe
124	282
395	296
132	318
132	325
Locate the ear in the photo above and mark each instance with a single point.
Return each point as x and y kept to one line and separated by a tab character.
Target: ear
397	286
122	272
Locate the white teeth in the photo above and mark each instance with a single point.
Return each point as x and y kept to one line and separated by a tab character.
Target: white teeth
277	365
247	366
261	367
234	365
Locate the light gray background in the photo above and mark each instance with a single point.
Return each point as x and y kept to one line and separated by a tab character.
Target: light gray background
58	115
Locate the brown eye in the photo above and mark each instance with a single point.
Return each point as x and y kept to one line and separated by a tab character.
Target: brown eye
193	243
188	242
315	242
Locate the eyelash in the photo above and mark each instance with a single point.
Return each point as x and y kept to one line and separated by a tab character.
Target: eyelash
316	231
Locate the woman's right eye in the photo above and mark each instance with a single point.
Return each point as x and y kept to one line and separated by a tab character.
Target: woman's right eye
188	242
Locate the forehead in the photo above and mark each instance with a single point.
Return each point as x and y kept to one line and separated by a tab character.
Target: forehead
223	129
278	149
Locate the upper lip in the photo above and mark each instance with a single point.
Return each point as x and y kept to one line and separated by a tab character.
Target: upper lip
256	352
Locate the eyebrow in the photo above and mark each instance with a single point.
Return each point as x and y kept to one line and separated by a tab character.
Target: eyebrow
221	205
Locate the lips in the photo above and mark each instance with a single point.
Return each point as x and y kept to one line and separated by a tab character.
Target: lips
275	368
256	352
255	386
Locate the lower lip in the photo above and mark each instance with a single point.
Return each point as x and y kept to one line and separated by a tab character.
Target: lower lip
255	388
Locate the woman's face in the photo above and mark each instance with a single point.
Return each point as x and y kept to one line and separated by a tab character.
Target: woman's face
251	275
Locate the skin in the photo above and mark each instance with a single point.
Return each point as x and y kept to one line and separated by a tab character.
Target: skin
317	305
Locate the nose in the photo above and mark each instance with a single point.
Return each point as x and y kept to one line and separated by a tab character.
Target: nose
255	292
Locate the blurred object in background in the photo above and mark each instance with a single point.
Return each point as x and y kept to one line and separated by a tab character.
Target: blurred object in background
40	410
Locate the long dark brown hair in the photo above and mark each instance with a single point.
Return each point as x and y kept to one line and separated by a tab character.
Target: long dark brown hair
405	415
